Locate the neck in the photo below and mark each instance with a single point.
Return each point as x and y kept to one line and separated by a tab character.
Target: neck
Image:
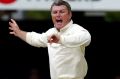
58	30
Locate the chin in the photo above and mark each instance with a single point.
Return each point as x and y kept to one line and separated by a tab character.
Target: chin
58	27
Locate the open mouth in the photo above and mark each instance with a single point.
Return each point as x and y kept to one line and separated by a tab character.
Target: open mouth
59	21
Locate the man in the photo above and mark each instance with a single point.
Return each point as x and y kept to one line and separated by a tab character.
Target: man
66	43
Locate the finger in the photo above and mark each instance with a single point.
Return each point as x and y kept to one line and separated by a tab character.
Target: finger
14	22
49	41
48	38
10	23
12	33
10	28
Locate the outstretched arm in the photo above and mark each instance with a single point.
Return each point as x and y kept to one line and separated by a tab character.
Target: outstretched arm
15	30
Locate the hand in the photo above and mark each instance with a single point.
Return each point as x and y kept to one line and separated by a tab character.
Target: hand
14	28
53	39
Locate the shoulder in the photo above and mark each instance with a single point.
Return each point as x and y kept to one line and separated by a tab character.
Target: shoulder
78	27
51	31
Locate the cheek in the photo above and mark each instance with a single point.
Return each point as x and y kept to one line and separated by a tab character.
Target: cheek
53	18
65	18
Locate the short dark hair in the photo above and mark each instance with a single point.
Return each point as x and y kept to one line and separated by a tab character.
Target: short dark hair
61	2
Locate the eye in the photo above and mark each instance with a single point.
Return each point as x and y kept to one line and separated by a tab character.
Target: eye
62	11
54	12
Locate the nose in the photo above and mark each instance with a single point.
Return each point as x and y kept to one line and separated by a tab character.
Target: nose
58	14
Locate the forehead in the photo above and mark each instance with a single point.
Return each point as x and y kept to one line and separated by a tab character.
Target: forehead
60	7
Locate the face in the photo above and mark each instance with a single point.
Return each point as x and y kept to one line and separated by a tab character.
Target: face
60	16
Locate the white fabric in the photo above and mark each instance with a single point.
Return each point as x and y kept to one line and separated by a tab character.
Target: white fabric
67	59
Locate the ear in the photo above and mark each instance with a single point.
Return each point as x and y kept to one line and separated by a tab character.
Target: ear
70	15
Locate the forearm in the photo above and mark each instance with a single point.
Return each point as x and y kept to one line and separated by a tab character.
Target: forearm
22	35
76	39
36	39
